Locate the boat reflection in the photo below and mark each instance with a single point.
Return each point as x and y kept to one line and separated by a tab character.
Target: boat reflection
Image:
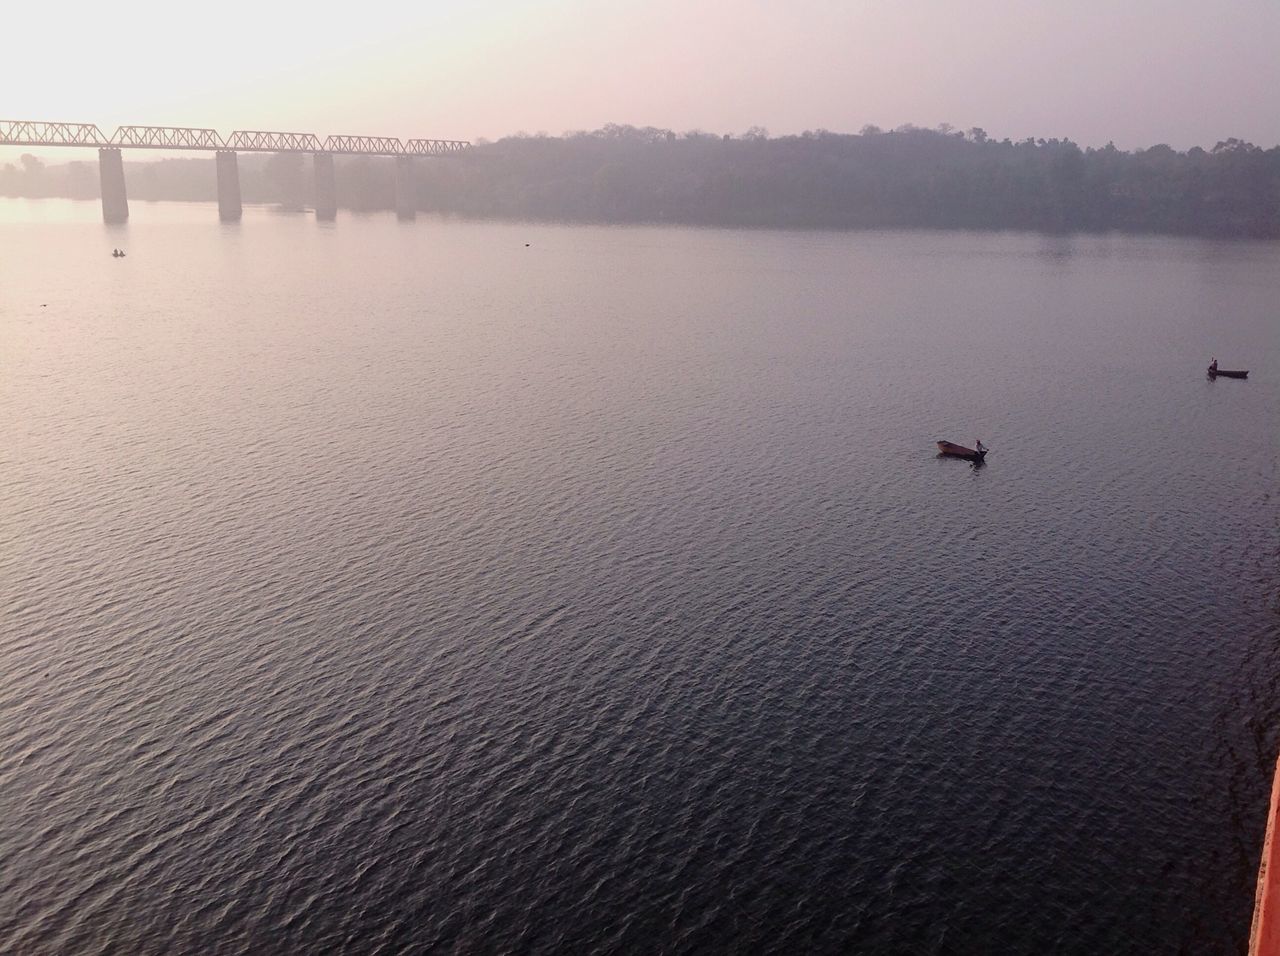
974	463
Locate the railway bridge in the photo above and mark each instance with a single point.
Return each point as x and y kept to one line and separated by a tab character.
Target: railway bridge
115	201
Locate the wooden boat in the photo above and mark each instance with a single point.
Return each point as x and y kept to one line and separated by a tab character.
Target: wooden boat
953	450
1228	373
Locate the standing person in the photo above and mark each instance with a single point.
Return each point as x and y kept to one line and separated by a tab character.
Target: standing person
1213	365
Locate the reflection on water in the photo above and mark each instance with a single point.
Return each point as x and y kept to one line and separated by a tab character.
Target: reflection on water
974	463
1058	248
456	586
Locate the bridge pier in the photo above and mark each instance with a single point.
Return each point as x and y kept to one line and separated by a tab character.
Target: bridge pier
326	189
115	202
229	207
406	189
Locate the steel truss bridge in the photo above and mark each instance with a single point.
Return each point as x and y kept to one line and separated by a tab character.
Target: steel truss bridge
35	133
115	202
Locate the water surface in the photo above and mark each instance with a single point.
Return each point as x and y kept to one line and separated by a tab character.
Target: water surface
402	587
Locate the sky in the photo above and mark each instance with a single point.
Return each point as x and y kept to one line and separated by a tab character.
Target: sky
1134	72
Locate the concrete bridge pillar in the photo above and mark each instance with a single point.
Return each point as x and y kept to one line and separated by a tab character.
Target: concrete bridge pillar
326	188
229	207
406	188
115	202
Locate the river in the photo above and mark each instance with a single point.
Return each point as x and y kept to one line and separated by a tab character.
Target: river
515	587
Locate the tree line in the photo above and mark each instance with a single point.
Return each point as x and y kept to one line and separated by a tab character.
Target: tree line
902	178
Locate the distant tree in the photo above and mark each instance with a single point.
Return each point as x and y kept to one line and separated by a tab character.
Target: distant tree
285	175
82	180
1231	145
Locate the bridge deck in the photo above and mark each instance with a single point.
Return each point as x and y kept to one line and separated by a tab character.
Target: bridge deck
39	133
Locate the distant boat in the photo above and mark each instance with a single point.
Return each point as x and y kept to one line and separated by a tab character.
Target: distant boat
952	450
1228	372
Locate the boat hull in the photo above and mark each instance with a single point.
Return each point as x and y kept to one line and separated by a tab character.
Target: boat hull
1228	373
952	450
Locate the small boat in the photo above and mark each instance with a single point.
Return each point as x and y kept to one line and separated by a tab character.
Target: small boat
1228	372
952	450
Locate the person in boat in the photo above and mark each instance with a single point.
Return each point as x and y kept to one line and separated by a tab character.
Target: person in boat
978	447
1213	365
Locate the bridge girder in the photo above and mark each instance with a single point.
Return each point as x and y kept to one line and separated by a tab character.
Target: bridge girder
38	133
267	141
366	145
435	147
167	137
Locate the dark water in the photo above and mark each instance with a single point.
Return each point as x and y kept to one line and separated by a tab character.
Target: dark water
390	588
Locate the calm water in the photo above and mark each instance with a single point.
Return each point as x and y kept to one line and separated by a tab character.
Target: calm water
389	587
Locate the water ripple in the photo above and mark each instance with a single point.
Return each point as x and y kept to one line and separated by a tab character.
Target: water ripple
533	604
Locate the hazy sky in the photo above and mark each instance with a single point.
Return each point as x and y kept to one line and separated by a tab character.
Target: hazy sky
1139	72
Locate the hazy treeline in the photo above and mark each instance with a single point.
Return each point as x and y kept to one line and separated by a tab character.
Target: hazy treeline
907	177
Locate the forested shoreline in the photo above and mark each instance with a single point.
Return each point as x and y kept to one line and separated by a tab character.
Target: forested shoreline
903	178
